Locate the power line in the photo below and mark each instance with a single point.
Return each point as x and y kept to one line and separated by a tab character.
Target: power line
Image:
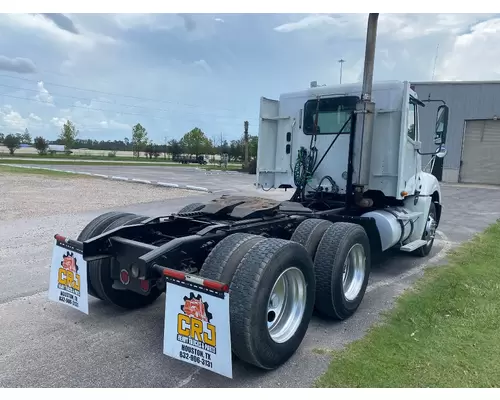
102	110
110	93
122	105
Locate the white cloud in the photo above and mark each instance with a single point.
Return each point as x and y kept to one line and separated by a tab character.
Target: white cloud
152	22
136	20
92	117
219	20
17	64
43	26
386	59
406	26
112	124
43	95
13	120
34	117
309	22
473	55
59	121
204	65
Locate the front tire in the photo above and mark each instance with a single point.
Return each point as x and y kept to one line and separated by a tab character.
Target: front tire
429	232
271	302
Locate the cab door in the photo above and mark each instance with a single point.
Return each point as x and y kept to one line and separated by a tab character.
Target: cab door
409	144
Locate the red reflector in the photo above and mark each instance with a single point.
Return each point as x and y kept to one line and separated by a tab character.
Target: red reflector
220	287
124	277
60	238
172	273
214	285
144	284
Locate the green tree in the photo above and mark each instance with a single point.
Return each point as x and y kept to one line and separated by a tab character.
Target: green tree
41	145
253	145
26	137
236	150
175	147
225	147
2	137
139	139
195	142
12	142
152	150
68	135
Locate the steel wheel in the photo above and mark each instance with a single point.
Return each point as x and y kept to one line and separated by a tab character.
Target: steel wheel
353	274
430	228
286	305
429	232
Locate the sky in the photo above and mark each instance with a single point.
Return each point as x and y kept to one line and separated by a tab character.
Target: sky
174	72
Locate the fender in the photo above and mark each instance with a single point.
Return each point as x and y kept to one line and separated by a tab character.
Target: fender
428	185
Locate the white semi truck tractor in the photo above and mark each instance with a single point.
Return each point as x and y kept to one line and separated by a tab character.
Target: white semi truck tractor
243	274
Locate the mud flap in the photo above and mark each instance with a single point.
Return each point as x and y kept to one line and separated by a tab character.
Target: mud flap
197	329
68	277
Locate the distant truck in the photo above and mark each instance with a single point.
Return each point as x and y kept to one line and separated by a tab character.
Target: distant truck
58	148
202	160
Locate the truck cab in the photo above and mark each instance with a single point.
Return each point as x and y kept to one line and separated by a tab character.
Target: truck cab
314	118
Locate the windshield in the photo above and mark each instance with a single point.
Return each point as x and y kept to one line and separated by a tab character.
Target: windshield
333	112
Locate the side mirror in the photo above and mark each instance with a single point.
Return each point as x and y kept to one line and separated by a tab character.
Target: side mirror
441	125
441	152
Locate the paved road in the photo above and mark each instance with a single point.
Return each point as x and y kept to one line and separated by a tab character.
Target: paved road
86	160
47	345
215	181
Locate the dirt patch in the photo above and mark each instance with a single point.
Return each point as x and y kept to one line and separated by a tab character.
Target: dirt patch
26	196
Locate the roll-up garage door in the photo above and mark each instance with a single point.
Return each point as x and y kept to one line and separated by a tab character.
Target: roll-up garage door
481	152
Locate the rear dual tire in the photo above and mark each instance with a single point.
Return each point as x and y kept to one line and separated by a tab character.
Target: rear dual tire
342	262
271	287
100	282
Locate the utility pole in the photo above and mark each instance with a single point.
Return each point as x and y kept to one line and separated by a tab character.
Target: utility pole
245	139
341	62
165	152
364	116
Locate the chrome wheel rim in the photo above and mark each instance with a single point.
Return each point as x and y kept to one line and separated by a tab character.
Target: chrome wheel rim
354	271
430	229
286	305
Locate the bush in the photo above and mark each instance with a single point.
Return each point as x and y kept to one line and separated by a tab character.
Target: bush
12	142
252	167
41	145
112	154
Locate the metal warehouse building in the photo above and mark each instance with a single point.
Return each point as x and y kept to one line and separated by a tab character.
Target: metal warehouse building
473	138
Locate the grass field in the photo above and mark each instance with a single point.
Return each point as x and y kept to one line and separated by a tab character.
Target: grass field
445	333
15	170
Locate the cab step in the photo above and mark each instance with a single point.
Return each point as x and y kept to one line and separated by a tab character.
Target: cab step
412	246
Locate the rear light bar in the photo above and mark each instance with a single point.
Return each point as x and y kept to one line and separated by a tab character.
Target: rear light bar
208	283
60	238
74	243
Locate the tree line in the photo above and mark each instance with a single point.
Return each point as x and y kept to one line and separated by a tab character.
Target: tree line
195	142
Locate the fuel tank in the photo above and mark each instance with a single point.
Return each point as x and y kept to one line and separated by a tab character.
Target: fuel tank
394	224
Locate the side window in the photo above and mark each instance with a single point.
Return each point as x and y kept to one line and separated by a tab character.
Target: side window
412	121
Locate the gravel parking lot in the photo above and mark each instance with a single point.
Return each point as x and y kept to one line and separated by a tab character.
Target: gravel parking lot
27	196
112	348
